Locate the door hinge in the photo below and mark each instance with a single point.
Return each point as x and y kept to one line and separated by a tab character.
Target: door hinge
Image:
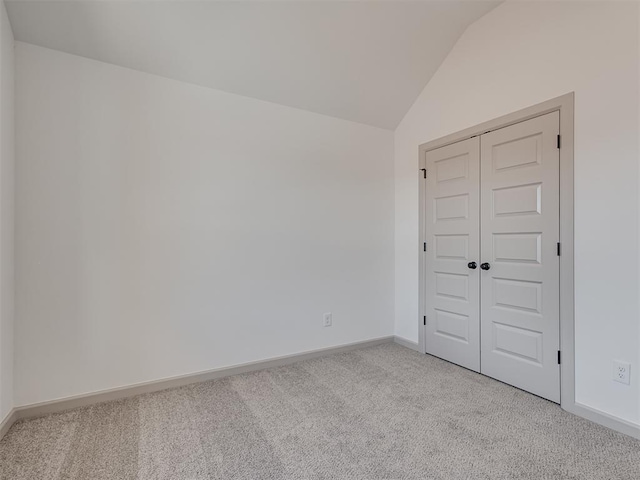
424	246
424	172
424	320
558	246
559	357
558	141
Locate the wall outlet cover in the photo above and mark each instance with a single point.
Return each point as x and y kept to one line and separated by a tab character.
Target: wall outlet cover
327	319
622	372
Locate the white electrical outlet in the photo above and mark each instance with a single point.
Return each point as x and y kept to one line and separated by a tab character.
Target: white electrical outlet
328	320
621	372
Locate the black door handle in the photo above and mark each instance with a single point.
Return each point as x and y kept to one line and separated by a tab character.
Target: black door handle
485	266
472	265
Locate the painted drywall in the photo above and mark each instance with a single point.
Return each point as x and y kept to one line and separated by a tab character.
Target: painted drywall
6	213
164	228
520	54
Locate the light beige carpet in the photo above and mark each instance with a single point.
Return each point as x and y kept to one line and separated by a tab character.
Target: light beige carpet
384	412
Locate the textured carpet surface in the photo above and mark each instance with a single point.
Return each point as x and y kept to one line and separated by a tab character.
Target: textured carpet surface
383	412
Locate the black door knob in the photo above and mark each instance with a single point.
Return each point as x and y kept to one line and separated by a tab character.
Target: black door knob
472	265
485	266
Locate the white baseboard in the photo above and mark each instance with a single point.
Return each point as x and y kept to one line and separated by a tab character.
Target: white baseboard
406	343
606	420
578	409
8	422
55	406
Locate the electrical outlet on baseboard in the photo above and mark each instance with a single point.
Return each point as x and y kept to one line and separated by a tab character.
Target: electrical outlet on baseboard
622	372
327	319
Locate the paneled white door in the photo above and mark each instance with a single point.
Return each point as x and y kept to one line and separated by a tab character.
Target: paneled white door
452	214
520	299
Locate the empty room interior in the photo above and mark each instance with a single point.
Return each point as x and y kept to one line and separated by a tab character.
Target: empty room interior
318	239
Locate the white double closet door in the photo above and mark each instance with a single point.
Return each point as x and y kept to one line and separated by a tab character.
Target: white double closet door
492	267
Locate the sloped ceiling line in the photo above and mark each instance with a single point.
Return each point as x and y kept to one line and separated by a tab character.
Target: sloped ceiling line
360	61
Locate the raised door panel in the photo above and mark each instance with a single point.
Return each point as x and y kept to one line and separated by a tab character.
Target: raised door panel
452	225
520	230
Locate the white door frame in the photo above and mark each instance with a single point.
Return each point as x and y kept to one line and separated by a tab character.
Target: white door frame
565	105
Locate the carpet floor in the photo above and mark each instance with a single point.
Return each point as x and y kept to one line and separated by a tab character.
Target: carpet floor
383	412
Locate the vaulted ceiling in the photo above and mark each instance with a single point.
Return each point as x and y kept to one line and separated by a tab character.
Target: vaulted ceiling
364	61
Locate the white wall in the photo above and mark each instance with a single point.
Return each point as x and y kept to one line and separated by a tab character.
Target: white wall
520	54
164	228
6	213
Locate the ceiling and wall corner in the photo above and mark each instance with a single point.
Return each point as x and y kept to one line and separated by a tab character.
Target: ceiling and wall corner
361	61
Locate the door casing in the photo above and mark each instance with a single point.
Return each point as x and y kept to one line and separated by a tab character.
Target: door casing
565	106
